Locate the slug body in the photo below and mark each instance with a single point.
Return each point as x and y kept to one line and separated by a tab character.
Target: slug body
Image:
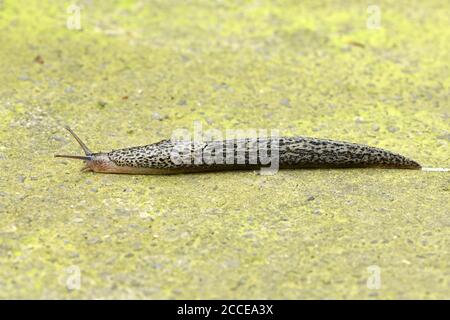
168	157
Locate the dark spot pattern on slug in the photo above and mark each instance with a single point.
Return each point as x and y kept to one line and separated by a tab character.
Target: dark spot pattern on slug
293	152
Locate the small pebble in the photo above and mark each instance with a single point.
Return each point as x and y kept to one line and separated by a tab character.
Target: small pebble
123	212
24	77
69	89
285	102
38	59
359	120
209	121
221	85
444	137
392	129
94	240
58	138
157	116
74	255
101	103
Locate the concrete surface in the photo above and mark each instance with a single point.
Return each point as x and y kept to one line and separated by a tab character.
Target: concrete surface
138	70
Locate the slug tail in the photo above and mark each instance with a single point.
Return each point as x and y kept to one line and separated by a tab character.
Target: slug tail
393	160
324	153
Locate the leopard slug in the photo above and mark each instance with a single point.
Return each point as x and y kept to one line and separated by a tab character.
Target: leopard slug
291	153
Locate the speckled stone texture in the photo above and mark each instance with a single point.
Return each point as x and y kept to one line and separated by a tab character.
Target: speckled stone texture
138	70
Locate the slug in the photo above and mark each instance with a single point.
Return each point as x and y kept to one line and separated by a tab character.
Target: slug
241	154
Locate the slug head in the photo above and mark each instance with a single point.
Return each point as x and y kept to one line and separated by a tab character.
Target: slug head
97	162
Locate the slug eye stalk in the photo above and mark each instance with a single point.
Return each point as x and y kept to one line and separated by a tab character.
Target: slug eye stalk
88	153
86	158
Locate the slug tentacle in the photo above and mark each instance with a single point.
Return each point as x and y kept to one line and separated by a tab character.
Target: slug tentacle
86	150
81	143
97	162
167	157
